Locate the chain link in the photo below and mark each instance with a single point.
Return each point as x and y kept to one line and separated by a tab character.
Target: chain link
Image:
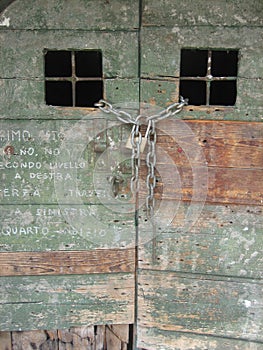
123	116
136	140
151	162
170	110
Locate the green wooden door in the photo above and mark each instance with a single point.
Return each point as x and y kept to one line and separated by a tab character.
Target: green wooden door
67	257
73	252
200	285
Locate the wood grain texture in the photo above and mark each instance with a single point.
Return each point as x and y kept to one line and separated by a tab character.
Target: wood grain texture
64	263
161	48
226	144
39	228
169	13
225	241
25	99
124	44
225	185
164	91
230	153
76	338
198	304
5	341
117	337
79	15
158	339
59	302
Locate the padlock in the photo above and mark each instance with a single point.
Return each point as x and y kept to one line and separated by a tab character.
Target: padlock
142	145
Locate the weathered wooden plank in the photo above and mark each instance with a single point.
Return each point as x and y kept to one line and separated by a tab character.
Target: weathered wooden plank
77	338
165	91
26	99
114	337
238	181
189	304
53	227
157	339
56	156
100	338
89	15
212	220
173	12
224	144
161	48
121	331
203	239
5	341
71	262
65	301
35	340
225	185
39	152
234	253
24	61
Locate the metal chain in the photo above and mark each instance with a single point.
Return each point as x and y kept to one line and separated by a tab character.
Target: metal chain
170	110
151	162
123	116
136	140
151	155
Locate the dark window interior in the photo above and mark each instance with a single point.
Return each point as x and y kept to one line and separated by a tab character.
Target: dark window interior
58	64
73	78
194	90
223	93
59	93
224	63
209	77
88	93
88	64
193	63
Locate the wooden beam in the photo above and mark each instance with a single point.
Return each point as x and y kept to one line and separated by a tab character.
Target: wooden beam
61	302
67	262
185	303
227	157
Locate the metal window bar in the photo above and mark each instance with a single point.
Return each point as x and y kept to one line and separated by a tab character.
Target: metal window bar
208	78
73	78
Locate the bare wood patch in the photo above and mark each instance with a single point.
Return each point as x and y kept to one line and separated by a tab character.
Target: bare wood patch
5	341
70	262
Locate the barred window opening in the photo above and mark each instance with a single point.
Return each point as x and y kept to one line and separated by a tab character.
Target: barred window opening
73	78
209	77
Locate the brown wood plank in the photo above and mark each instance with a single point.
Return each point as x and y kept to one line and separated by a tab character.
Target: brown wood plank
227	157
69	262
5	341
33	340
117	336
224	185
224	143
